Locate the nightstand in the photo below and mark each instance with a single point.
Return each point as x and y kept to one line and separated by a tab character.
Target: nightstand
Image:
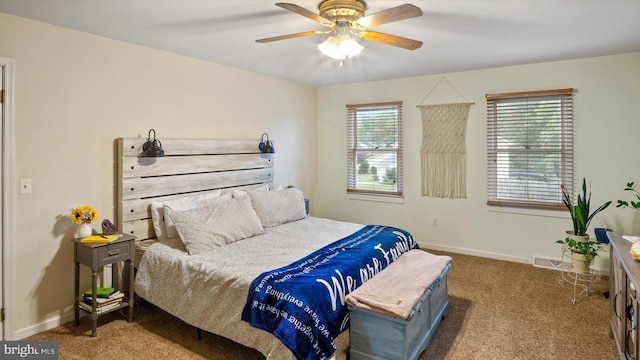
97	255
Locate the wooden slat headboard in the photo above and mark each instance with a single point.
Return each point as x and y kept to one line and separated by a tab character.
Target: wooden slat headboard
189	166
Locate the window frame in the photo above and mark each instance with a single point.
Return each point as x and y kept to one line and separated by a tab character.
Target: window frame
353	149
565	151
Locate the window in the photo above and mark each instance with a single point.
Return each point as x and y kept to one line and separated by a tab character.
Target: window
374	133
530	148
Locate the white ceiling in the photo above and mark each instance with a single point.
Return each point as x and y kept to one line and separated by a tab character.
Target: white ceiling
457	34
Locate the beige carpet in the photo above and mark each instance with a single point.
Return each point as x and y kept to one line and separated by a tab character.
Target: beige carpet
498	310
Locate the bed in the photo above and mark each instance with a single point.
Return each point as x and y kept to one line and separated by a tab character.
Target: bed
207	286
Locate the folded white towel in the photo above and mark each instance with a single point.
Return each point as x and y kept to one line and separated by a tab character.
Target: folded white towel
396	289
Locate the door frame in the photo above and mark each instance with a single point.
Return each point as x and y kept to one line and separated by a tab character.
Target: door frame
8	203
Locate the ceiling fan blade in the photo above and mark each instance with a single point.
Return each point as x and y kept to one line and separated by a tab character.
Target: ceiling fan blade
290	36
306	13
397	13
390	39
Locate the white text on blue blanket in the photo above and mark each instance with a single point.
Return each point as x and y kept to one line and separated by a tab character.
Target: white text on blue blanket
340	287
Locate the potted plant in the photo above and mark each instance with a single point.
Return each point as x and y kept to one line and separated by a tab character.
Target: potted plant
632	204
580	211
577	241
582	253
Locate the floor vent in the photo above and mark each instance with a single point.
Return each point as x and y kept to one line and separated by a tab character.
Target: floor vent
553	264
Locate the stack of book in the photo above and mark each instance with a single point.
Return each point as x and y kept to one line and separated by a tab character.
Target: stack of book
106	299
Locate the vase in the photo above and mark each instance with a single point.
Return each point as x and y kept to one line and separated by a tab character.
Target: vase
83	231
580	238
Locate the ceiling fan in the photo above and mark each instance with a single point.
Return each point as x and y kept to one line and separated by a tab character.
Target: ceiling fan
347	17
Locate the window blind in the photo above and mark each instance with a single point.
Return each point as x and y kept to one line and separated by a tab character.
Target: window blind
530	148
374	136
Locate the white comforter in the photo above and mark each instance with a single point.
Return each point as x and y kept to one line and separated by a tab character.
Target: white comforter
209	290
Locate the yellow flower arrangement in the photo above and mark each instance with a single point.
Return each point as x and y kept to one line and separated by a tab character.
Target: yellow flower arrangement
83	214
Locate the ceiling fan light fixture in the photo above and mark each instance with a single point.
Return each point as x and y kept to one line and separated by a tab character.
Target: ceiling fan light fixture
348	24
340	45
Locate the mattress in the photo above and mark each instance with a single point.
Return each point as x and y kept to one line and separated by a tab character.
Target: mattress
141	248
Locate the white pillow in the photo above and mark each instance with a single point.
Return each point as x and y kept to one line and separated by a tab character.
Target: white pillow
278	206
172	232
185	202
236	193
215	223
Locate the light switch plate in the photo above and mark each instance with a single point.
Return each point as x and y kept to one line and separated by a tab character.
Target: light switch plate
25	186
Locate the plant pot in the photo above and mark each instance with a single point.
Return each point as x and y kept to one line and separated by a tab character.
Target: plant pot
570	235
580	263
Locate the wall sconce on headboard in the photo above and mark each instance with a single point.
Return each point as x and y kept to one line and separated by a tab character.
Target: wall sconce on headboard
266	146
152	148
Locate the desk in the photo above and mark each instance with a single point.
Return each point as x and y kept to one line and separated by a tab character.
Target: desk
97	255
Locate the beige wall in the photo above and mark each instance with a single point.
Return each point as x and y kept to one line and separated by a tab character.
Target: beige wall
76	93
607	130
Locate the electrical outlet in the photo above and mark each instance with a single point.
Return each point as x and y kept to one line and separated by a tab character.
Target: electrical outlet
25	186
434	222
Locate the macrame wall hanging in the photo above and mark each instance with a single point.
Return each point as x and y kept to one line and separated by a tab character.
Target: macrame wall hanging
443	151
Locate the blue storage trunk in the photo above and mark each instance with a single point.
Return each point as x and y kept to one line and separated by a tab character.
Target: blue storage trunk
374	336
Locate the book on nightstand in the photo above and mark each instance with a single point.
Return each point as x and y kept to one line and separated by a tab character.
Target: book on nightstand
117	297
100	239
108	298
102	292
99	309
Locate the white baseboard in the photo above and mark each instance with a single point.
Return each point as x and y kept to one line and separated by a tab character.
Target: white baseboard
43	326
104	279
535	261
475	253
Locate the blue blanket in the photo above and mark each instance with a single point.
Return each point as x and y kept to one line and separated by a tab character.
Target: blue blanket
303	303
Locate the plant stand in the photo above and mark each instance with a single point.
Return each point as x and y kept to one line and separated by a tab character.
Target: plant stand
578	279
